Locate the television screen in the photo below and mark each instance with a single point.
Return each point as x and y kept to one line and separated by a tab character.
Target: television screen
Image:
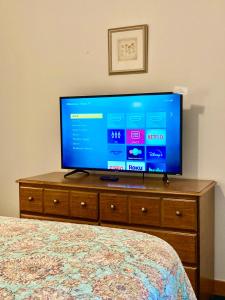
133	133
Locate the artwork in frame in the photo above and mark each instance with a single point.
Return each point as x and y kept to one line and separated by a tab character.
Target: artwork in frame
128	49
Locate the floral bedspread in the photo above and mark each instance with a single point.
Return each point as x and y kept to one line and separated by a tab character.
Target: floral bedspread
51	260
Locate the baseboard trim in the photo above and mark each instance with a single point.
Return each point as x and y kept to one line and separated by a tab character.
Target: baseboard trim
219	288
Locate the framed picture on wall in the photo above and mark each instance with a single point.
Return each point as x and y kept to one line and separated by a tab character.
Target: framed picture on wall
128	49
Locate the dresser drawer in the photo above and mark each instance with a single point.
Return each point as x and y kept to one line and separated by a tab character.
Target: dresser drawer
192	275
185	244
114	207
56	202
179	213
84	205
31	199
144	210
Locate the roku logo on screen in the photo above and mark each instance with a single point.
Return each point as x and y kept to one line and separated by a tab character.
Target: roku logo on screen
136	166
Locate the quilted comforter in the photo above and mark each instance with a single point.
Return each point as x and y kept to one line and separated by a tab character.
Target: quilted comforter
51	260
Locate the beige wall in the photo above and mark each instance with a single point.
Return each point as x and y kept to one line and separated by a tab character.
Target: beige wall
50	48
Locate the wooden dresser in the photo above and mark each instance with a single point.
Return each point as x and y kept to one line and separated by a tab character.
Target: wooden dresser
182	212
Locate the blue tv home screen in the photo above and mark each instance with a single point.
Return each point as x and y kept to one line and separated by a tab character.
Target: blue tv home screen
136	133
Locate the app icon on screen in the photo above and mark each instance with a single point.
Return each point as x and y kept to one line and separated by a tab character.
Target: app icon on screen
116	120
116	136
116	152
156	137
116	165
156	120
135	120
135	152
155	152
135	136
156	167
135	166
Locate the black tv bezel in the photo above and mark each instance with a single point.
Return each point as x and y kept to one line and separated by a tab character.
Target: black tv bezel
123	171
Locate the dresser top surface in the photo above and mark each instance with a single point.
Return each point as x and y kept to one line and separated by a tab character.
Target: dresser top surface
193	187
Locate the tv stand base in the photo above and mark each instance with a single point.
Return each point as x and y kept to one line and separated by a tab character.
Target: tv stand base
165	178
76	171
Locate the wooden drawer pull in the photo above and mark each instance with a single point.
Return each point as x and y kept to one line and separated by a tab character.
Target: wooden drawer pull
112	206
55	201
178	213
83	203
30	198
144	209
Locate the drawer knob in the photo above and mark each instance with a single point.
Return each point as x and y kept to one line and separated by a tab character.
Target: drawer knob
83	203
112	206
144	209
55	201
178	213
30	198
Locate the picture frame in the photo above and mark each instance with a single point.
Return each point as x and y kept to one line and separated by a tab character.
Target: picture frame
128	50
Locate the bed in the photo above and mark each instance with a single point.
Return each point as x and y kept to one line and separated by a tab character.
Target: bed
52	260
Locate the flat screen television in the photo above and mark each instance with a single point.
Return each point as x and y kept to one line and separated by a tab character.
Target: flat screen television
127	133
